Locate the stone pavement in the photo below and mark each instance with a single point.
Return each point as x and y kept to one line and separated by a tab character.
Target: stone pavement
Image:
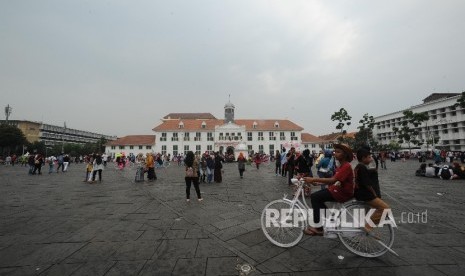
57	225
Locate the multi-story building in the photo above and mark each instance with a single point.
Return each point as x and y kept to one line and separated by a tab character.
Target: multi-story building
52	135
446	123
200	132
134	144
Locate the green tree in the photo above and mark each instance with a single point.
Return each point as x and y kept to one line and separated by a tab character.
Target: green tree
343	119
408	131
461	101
11	138
364	136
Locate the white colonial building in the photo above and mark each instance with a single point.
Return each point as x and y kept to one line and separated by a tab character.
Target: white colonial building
134	144
200	132
445	122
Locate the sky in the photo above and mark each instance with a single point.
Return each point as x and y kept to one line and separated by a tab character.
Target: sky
118	67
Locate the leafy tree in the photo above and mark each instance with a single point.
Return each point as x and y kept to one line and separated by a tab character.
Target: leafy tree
461	101
407	133
365	134
11	138
394	146
344	120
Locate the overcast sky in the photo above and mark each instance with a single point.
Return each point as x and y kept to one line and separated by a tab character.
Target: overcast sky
117	67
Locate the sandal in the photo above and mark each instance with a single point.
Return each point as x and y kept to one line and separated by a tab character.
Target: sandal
313	232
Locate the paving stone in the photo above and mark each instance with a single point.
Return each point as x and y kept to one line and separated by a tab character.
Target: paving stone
62	226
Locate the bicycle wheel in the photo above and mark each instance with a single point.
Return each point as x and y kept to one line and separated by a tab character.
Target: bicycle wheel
281	225
371	245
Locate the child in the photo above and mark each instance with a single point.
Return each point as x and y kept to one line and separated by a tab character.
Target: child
364	190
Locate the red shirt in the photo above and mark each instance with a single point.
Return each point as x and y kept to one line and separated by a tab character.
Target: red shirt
345	175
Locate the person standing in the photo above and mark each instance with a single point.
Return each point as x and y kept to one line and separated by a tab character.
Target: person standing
60	162
191	168
51	162
284	163
277	157
241	164
150	165
97	166
65	162
38	161
210	168
290	165
218	166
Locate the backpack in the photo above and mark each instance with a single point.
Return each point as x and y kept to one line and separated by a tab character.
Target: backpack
445	174
98	160
190	172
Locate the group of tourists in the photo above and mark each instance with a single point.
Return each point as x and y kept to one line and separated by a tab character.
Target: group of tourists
444	172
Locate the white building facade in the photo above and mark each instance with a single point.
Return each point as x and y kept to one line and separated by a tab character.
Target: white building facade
202	132
132	144
446	122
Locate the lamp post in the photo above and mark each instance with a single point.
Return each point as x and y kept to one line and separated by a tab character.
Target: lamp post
62	138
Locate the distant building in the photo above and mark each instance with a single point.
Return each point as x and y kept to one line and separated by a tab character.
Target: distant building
200	132
52	135
134	144
445	122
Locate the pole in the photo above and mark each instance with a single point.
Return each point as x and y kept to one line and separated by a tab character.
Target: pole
62	138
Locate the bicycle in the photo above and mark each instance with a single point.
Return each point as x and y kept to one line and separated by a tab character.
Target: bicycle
284	234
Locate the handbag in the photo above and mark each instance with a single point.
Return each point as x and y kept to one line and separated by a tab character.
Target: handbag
189	172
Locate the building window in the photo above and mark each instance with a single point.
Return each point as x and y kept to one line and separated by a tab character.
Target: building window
272	137
186	149
113	147
204	125
249	136
131	147
221	137
121	147
313	146
175	137
197	149
163	136
271	150
254	126
260	149
186	136
163	149
209	136
197	136
148	147
260	136
141	147
276	124
282	137
249	148
293	137
181	125
209	148
175	150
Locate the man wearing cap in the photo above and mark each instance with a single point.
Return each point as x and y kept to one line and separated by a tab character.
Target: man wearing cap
341	187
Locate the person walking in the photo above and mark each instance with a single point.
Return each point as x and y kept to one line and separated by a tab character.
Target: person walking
283	163
241	164
191	168
38	161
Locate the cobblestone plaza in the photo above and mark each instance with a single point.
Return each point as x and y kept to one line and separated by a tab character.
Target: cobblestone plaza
57	225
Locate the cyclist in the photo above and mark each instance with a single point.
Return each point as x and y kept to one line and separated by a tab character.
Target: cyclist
341	191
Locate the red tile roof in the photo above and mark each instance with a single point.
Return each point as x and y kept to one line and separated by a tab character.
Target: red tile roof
309	138
134	140
196	125
200	116
334	136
